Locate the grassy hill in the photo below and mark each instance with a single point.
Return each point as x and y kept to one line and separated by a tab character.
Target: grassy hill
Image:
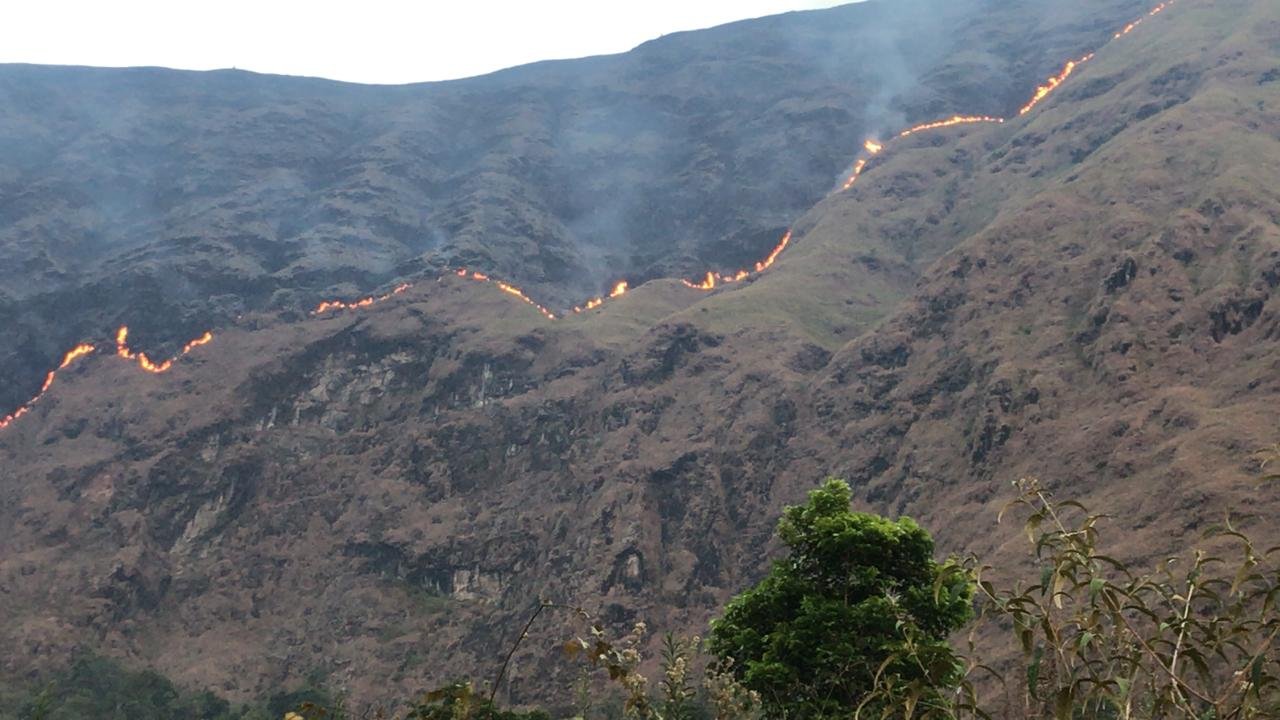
1084	293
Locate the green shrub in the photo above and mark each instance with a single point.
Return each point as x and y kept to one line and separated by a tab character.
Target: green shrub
1195	637
853	591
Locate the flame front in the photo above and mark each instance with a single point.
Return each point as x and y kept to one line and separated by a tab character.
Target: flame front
331	305
858	167
72	355
874	147
1154	11
618	290
714	278
146	363
710	282
950	122
1043	91
204	339
506	288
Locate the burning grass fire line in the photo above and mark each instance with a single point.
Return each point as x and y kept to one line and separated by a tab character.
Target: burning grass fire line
74	354
145	363
873	147
331	305
712	280
506	288
122	351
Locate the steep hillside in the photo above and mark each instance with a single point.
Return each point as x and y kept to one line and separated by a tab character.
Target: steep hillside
1084	292
176	201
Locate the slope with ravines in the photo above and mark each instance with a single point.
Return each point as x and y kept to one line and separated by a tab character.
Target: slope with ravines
1112	326
1083	293
173	202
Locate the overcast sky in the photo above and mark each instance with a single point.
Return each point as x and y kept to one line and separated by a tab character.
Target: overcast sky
372	41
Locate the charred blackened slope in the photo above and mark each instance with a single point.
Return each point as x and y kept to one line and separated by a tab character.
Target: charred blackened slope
177	201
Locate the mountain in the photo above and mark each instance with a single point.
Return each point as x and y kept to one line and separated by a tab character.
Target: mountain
1081	292
176	201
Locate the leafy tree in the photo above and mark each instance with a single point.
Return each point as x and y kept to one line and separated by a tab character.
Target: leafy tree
834	616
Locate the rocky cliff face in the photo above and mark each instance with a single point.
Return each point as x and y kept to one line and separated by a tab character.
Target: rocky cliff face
1084	293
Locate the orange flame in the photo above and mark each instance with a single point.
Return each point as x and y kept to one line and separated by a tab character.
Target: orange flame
950	122
1043	91
72	355
506	288
122	350
330	305
874	147
76	353
858	167
204	339
146	363
1129	28
714	278
1154	11
777	250
708	284
619	289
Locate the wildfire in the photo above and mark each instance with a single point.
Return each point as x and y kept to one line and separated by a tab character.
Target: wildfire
875	147
72	355
713	278
122	350
617	291
950	122
858	167
1043	91
506	288
1154	11
204	339
330	305
710	282
146	363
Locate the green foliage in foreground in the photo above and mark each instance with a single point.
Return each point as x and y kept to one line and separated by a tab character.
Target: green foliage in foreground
854	589
1196	637
854	622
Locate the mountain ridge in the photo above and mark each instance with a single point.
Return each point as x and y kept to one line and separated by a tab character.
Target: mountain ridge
289	197
1083	294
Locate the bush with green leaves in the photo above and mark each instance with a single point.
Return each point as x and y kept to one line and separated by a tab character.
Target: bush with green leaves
854	623
853	590
1196	637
